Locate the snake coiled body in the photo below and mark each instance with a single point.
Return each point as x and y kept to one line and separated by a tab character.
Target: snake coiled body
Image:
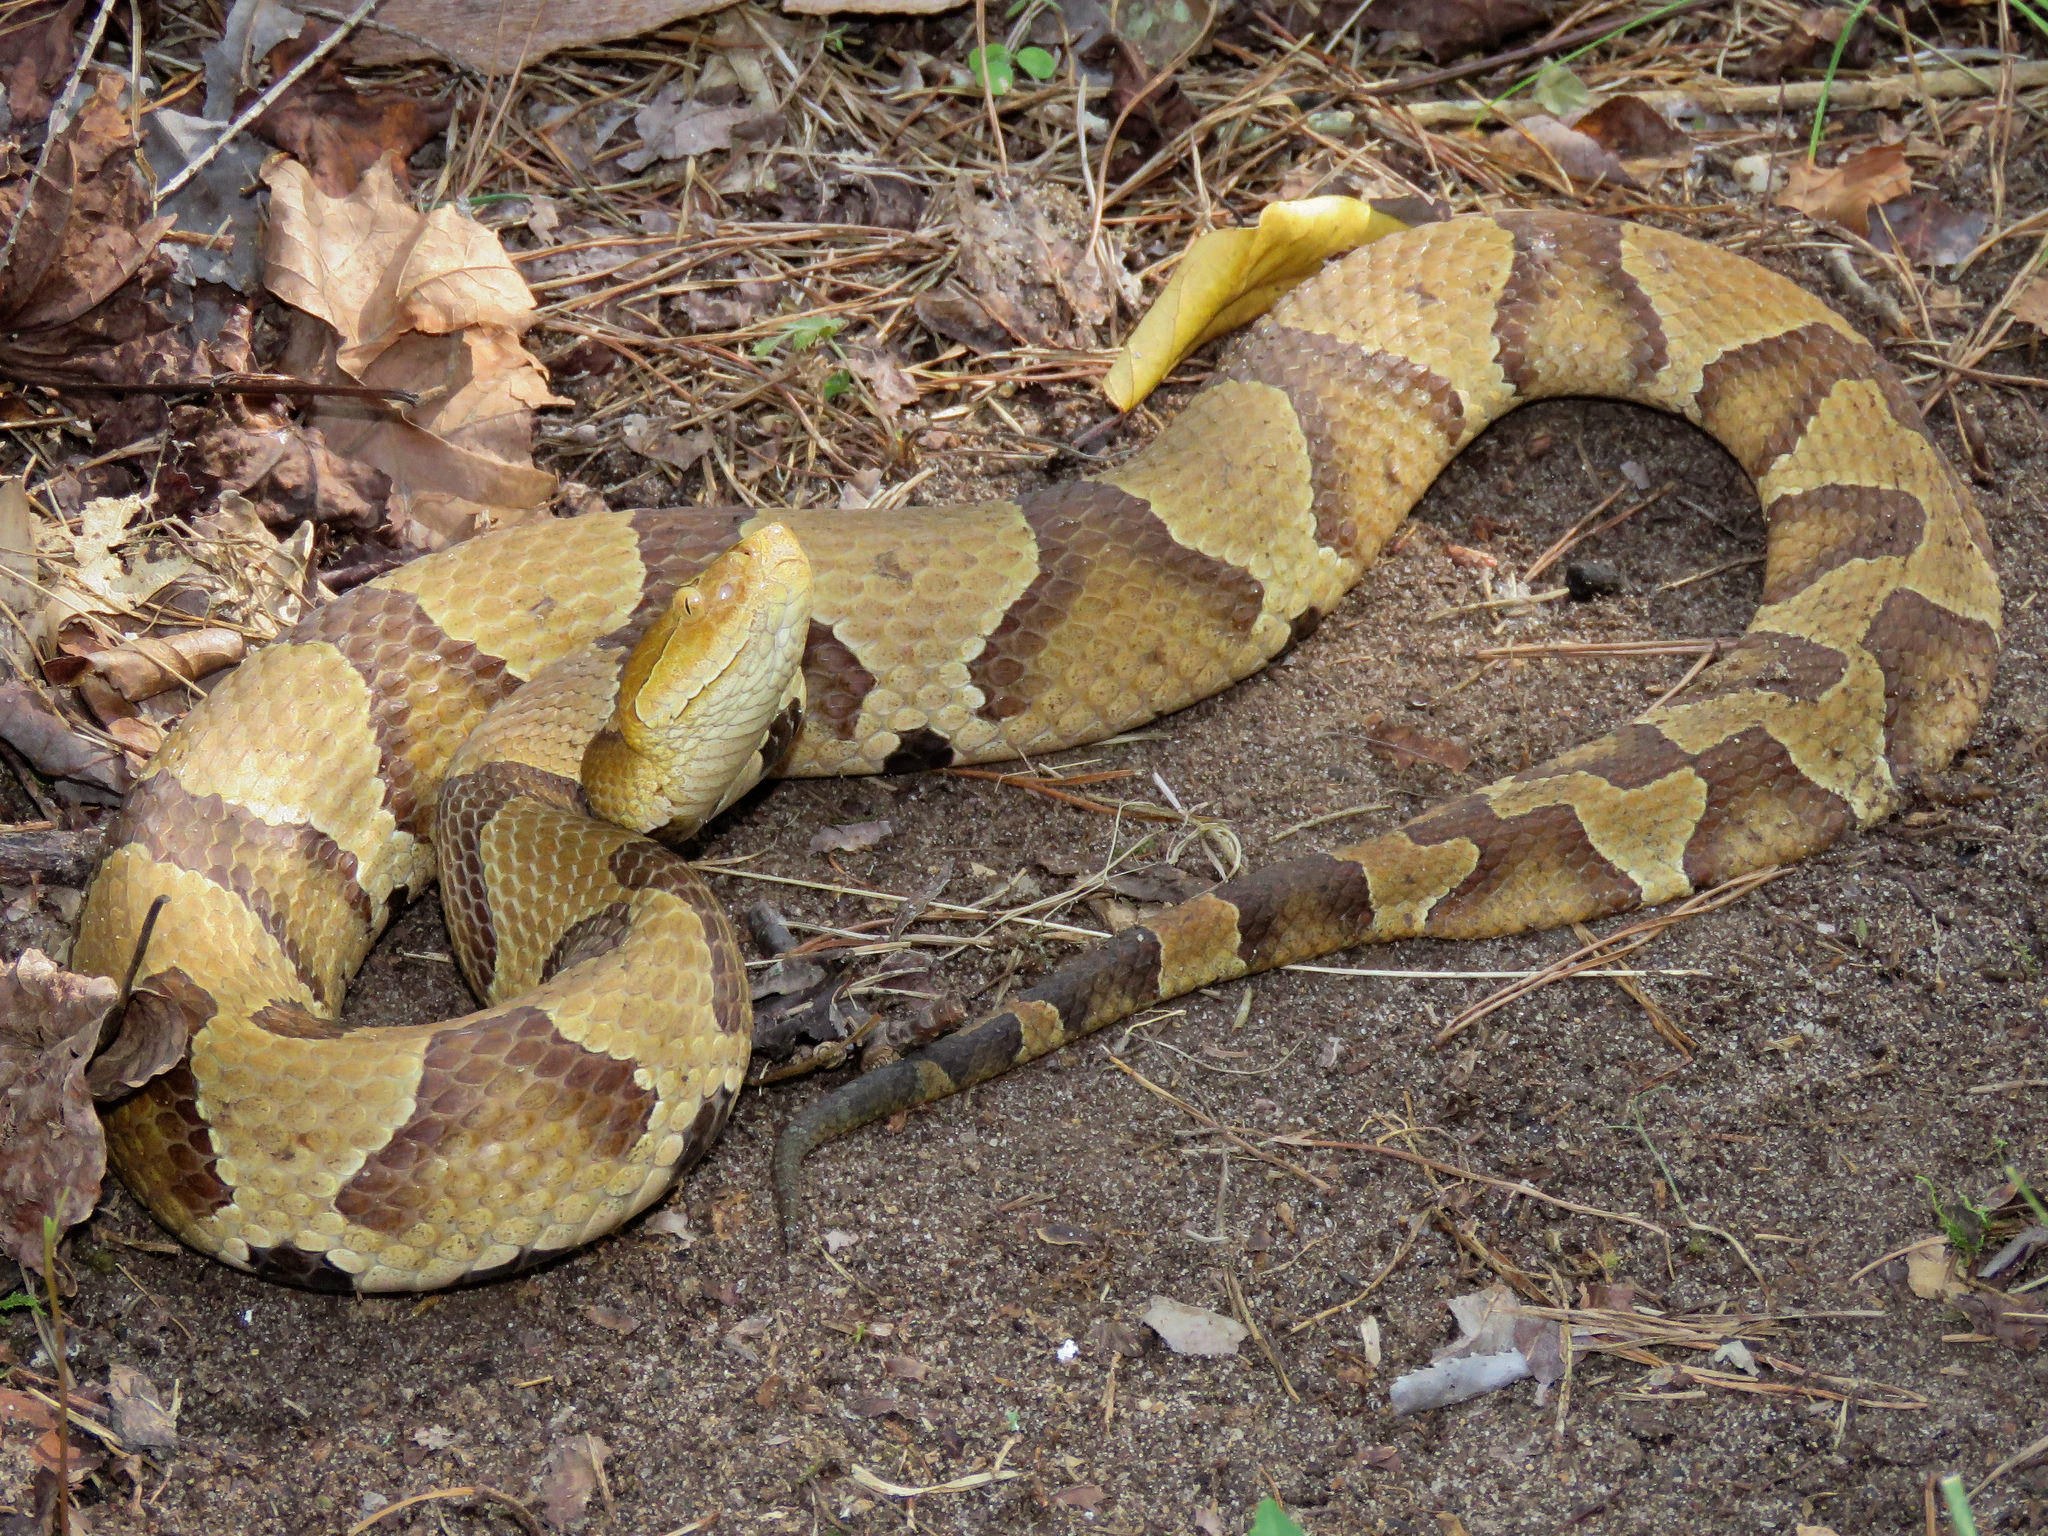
288	811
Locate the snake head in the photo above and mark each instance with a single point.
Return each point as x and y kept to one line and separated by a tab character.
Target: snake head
703	689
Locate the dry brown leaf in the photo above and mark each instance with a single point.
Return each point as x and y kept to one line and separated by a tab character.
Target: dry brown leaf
1194	1330
2015	1321
1230	277
1086	1496
425	303
56	1155
1544	146
86	229
1931	1271
572	1475
1404	746
613	1319
375	269
162	1015
2031	304
140	1416
339	131
286	469
147	665
39	44
30	724
1844	194
1634	130
495	37
1927	229
21	624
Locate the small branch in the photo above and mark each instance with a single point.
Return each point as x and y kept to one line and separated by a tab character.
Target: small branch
215	384
263	103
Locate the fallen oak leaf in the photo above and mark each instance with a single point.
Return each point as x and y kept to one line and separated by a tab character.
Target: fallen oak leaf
1844	194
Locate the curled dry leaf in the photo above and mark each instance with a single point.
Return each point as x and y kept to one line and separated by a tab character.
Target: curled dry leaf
1844	194
428	303
1194	1330
1230	277
86	229
613	1319
657	440
672	127
1496	1347
1634	130
147	665
2015	1321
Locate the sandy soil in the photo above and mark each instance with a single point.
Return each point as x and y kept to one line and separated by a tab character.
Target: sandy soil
1844	1014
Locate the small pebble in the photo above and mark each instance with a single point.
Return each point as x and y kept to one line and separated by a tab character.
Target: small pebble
1588	579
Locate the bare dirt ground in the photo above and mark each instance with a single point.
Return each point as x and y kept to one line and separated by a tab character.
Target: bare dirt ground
940	1313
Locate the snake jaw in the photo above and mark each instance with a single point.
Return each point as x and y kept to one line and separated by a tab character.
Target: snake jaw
703	690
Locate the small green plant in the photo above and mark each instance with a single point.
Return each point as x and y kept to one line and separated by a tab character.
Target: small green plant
1965	1224
837	383
799	335
1958	1501
1271	1519
20	1301
995	67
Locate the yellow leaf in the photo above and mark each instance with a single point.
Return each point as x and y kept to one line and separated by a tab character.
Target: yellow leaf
1232	276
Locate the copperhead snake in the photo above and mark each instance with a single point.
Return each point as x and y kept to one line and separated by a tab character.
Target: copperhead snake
288	811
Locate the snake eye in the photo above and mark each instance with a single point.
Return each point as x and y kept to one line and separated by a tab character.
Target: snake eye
690	605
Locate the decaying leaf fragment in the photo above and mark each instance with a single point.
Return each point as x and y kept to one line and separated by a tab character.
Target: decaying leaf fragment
428	303
1497	1346
1232	276
1194	1330
51	1070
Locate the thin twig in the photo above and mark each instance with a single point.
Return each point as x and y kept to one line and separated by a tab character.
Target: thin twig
263	103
